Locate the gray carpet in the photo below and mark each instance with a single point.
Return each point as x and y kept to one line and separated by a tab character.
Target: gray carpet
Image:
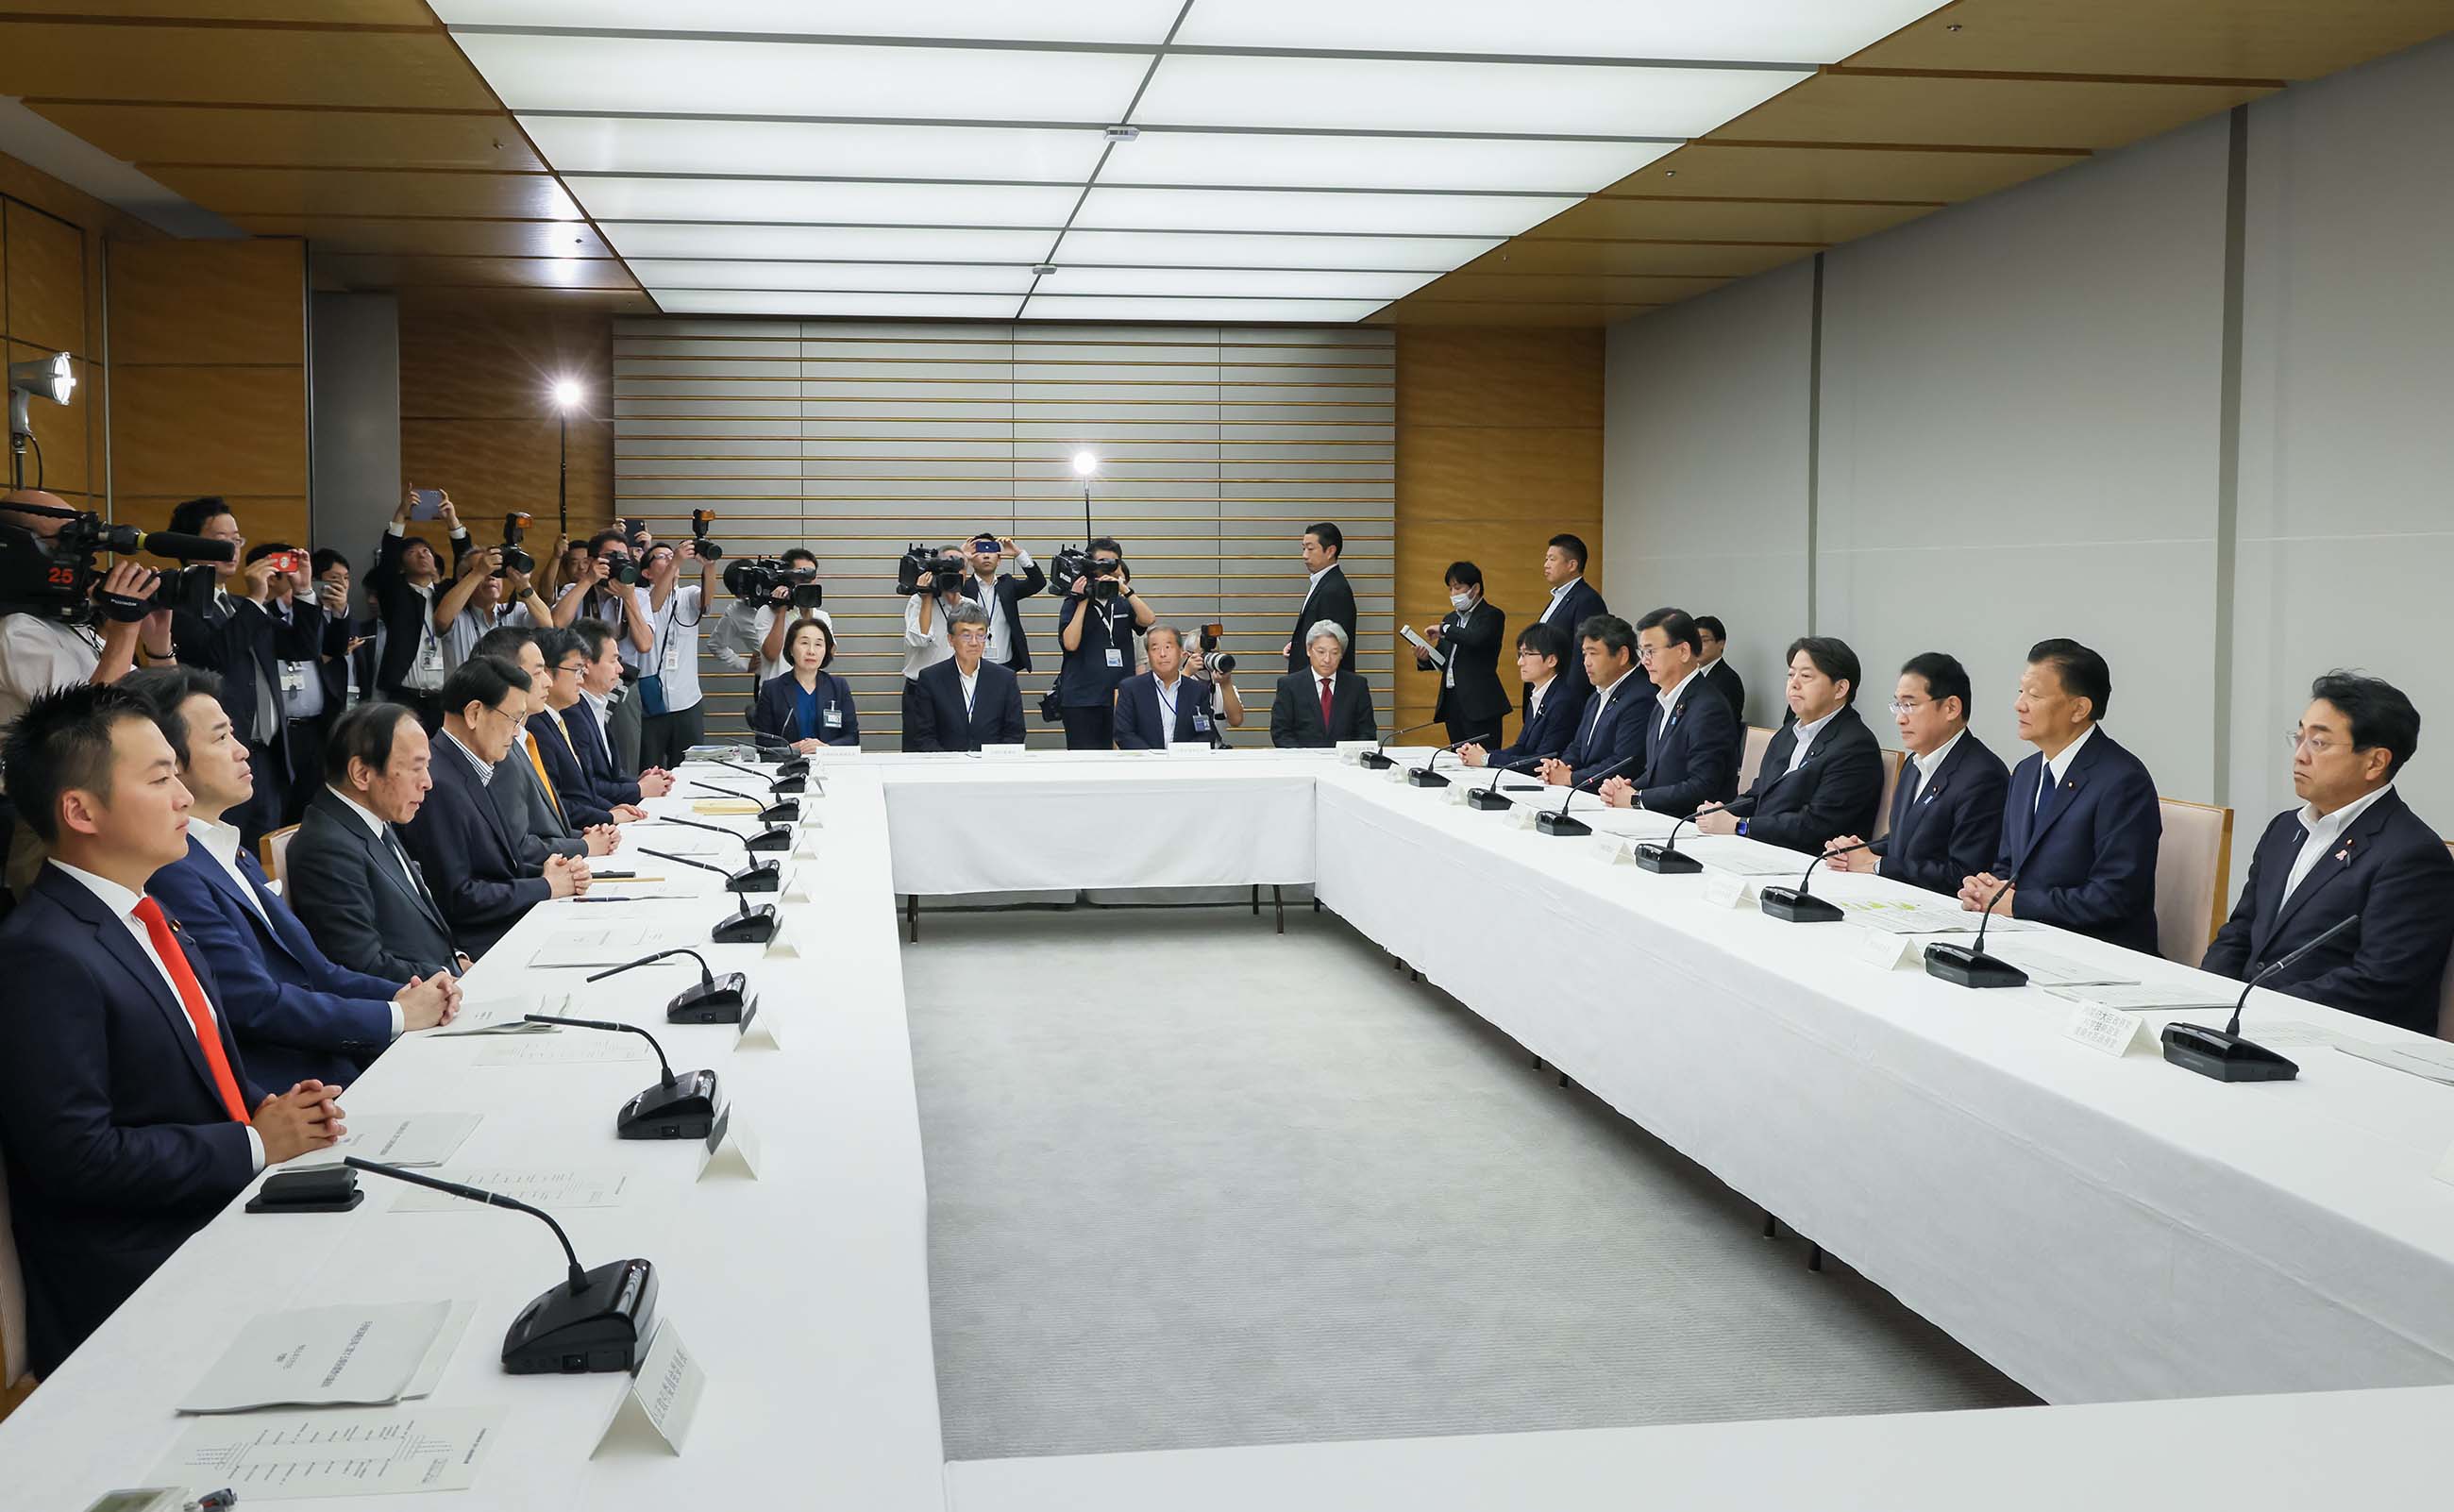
1191	1184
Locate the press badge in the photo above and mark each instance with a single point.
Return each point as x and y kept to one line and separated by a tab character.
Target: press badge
1116	655
673	658
1200	724
293	676
833	717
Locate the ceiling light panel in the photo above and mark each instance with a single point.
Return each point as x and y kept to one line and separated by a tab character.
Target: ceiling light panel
768	302
595	143
1135	21
673	76
1298	210
1238	283
1341	94
1734	31
1371	162
922	244
1235	312
945	278
768	199
1234	249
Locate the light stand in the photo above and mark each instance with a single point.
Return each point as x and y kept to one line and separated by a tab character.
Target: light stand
566	397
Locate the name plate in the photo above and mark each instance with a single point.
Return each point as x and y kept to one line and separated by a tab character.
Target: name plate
806	848
659	1403
1395	774
731	1152
1883	950
1728	889
1612	849
2109	1029
795	889
780	947
757	1030
1003	750
1456	792
1523	816
811	817
1351	752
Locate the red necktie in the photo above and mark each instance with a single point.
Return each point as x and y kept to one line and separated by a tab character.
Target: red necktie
1324	703
192	996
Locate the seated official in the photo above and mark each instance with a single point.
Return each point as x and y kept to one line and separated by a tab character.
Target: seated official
2352	847
1323	706
351	880
296	1015
1472	702
966	702
1947	806
1822	774
523	789
1553	705
1612	730
615	784
458	837
2080	824
1171	705
131	1119
1692	757
808	706
560	737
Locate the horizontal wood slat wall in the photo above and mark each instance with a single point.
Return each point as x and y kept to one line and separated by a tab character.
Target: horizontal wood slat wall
1218	446
477	417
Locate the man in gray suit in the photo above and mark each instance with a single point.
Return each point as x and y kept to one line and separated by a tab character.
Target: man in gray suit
350	880
532	811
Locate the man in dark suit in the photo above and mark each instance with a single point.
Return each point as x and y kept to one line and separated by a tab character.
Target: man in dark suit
1572	602
404	581
968	702
130	1117
458	835
1719	675
223	623
1693	758
347	661
1822	774
300	637
564	745
1611	732
589	721
2079	819
1167	706
1324	705
999	593
1468	638
523	789
351	880
2352	847
296	1015
1947	806
1327	596
1553	712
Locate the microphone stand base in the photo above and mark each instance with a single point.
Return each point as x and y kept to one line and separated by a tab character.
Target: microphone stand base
781	786
2221	1057
1551	822
1486	799
1965	967
604	1327
1797	907
770	840
764	877
784	812
721	1001
1668	862
685	1110
1374	761
1421	777
755	927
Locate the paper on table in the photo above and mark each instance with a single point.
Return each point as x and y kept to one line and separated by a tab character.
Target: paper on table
398	1139
2046	969
447	1338
1902	915
2425	1062
2146	996
644	887
548	1188
680	839
366	1451
586	1048
504	1015
612	944
1736	853
317	1356
723	806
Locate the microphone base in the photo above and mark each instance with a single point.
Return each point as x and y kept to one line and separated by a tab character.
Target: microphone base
1374	761
1967	967
1551	822
685	1110
1668	862
784	812
782	786
770	840
1794	906
756	927
605	1328
764	877
721	1001
1421	777
2221	1057
796	767
1486	799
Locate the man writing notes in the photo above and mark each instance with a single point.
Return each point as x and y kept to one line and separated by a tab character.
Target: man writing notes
1610	731
1573	601
1823	771
1327	596
1324	705
966	702
2352	847
131	1119
1948	808
1694	756
2080	821
1468	640
1552	711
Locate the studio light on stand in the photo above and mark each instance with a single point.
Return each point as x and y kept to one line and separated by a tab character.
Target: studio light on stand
53	378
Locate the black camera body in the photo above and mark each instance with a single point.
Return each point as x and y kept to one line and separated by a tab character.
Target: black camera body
622	568
1074	563
943	569
1222	663
54	579
516	530
759	578
708	550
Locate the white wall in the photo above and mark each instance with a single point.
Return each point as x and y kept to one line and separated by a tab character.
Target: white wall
2020	435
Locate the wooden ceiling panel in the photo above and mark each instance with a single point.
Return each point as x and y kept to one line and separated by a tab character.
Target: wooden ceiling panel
1417	311
1722	170
1924	109
322	12
47	61
501	272
1566	288
147	135
355	236
245	191
528	300
1679	259
1725	220
2222	39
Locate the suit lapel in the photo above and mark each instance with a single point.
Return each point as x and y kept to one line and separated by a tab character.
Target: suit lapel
2350	849
387	865
2063	796
114	933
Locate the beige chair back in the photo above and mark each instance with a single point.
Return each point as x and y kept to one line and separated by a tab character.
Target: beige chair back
12	1298
2445	991
273	851
1752	757
1893	762
2191	861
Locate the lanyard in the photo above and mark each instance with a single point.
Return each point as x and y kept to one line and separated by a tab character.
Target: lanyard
1167	707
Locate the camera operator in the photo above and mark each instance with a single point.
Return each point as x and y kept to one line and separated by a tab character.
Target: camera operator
673	712
487	595
997	591
750	636
1101	616
222	622
1173	704
939	591
405	580
607	588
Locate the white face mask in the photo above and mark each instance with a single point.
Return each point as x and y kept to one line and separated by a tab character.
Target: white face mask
1461	602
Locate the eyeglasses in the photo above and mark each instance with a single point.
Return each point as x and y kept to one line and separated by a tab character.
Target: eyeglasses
2319	745
570	667
1647	654
1909	705
505	716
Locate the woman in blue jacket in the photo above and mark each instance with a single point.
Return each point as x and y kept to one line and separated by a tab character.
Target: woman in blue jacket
808	706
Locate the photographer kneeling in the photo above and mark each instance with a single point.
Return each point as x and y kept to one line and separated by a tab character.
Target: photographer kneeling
1096	626
1173	704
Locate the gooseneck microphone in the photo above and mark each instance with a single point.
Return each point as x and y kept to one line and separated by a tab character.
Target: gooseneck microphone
784	811
1664	856
771	839
1795	904
793	764
776	783
683	1107
1968	965
1423	777
595	1321
1488	796
1555	821
714	1001
1377	758
765	876
2223	1054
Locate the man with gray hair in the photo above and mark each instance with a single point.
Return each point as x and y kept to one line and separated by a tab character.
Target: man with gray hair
968	702
1173	704
1324	705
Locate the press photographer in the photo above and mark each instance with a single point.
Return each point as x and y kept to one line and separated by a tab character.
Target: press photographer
404	581
997	591
770	597
1101	617
222	621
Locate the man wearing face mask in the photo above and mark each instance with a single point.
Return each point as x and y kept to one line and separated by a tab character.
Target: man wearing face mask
1468	640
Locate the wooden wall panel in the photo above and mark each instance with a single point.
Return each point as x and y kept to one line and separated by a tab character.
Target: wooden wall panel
209	429
45	277
477	415
213	303
1500	447
50	300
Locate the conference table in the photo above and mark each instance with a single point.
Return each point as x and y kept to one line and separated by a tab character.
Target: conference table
2162	1255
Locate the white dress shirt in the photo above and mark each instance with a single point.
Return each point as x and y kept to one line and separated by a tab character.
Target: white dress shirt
2058	767
122	902
484	768
2319	832
1533	700
1168	695
1931	763
1804	736
1559	596
924	649
971	681
602	705
1000	623
39	656
1670	701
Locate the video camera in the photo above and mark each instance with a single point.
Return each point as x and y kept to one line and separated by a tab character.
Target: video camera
757	577
944	569
1073	562
55	578
516	530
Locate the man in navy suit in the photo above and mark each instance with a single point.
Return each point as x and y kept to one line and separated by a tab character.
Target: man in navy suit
458	837
1553	708
561	737
1947	806
600	678
2352	847
2079	819
1165	706
1611	729
131	1119
1822	774
1572	602
1719	675
968	702
296	1015
1693	755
